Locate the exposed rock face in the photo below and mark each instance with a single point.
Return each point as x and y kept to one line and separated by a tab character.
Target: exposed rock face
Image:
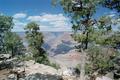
34	71
58	43
32	68
12	77
6	64
39	76
110	75
36	76
5	56
103	78
70	59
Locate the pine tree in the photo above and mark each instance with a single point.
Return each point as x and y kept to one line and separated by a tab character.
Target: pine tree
14	44
35	41
6	24
88	31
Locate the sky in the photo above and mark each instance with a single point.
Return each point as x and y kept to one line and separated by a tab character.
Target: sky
49	18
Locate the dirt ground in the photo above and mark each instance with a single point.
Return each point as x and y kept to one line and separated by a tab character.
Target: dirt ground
3	74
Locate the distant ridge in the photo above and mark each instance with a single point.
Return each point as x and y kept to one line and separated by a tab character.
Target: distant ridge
55	42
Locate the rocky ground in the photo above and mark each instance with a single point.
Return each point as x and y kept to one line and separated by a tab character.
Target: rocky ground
29	70
3	74
35	71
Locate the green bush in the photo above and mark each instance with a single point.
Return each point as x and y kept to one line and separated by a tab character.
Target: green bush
25	58
54	65
45	60
99	59
42	60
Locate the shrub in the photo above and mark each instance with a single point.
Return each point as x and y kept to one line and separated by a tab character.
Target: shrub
25	58
54	65
99	59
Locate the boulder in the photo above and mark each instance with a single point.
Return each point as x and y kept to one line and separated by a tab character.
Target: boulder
12	77
110	75
103	78
39	76
5	56
31	68
67	72
6	65
36	71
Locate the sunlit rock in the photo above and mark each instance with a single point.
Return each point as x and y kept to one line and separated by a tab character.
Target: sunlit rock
103	78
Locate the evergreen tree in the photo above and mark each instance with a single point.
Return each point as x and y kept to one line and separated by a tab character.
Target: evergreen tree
35	41
89	31
6	24
112	4
14	44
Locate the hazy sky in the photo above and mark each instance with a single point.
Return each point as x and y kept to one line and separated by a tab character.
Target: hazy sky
50	18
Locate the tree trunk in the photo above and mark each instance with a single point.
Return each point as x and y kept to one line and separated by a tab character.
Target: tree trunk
82	67
86	40
12	51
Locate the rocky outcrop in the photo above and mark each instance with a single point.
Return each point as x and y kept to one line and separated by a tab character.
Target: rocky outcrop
7	64
34	71
103	78
5	56
12	77
39	76
32	68
36	76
